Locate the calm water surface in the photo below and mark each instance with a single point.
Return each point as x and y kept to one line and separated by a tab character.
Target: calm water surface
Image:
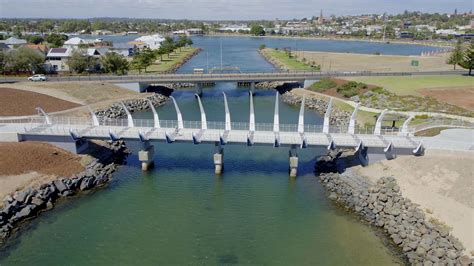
180	213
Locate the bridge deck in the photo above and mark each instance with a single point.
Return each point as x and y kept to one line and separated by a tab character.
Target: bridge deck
209	135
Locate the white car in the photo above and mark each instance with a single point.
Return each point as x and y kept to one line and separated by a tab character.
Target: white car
38	77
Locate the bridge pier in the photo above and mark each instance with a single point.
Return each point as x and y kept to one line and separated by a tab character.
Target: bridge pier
218	159
293	160
145	156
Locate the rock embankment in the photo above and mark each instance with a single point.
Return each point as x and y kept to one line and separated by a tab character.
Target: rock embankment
117	111
383	206
27	204
338	117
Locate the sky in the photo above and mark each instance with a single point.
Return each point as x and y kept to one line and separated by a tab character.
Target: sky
219	9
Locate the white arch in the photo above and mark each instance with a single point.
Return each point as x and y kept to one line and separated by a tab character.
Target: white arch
203	114
178	114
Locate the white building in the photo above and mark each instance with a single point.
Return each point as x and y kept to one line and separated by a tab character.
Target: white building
151	41
57	58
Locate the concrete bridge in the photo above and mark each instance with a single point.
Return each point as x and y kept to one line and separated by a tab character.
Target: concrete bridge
77	131
305	78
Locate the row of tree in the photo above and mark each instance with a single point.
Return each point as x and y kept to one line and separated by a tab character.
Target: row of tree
463	56
145	57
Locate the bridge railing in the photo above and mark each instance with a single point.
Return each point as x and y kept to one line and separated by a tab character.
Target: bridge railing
75	122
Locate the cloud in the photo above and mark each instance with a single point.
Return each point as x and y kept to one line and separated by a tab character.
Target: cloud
217	9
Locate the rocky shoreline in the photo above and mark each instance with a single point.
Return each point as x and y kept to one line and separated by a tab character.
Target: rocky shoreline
383	206
31	202
116	110
338	117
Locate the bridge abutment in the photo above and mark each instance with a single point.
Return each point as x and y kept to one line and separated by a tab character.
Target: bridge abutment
198	88
219	159
293	160
146	155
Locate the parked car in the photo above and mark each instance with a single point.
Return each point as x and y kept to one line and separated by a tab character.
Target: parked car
38	77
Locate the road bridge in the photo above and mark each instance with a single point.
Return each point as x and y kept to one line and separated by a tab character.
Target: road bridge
251	77
299	136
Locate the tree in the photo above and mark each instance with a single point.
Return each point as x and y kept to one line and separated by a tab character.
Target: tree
80	62
23	60
2	62
262	46
456	55
36	39
143	59
115	63
168	45
467	61
257	30
56	40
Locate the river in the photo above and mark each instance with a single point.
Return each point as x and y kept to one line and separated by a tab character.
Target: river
180	213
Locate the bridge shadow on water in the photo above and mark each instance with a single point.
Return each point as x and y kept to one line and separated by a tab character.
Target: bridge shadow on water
237	159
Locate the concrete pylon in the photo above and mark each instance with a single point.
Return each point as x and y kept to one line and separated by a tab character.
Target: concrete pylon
47	119
293	161
129	115
378	124
178	114
276	123
352	122
198	87
156	119
301	116
252	88
95	120
327	116
252	115
203	114
218	159
419	150
404	130
227	114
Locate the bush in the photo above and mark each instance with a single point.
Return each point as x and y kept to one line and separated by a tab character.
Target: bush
378	90
350	89
323	85
262	46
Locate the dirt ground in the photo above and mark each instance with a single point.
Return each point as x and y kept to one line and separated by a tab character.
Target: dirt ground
381	63
441	182
18	102
82	93
459	96
28	164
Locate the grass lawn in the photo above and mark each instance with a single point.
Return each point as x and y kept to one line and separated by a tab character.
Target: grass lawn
413	85
168	63
289	63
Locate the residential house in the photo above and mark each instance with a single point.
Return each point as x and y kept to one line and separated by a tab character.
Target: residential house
13	42
57	59
150	41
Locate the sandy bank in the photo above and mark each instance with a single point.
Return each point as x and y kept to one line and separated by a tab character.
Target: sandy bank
441	182
27	164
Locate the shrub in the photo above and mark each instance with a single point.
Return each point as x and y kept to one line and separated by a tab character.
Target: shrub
323	85
349	89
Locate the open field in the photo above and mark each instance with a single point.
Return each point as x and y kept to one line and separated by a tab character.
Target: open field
415	85
380	63
20	102
171	62
281	59
82	93
459	96
26	164
441	183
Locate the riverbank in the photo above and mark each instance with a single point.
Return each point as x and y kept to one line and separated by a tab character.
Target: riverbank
168	64
282	61
382	203
26	200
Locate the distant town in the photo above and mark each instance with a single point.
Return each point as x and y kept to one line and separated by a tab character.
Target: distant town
54	41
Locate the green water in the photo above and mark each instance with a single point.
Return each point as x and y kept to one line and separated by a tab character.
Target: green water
182	214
